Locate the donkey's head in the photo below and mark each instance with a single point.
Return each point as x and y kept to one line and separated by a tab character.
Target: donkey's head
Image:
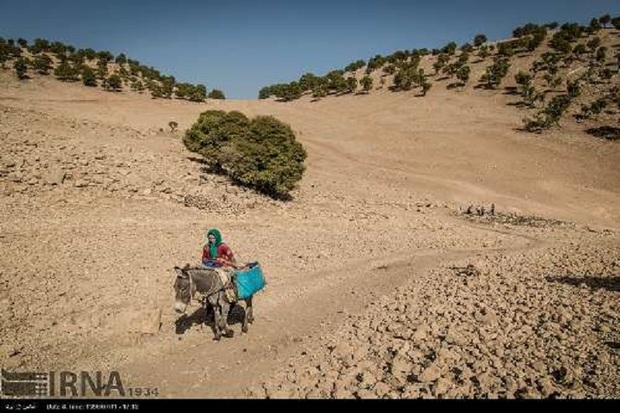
184	290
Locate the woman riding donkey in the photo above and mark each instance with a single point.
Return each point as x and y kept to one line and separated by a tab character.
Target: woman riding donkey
216	253
214	281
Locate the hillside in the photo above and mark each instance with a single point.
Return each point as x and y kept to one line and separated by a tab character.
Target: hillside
538	67
94	69
379	284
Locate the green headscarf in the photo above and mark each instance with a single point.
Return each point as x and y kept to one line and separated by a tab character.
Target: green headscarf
218	242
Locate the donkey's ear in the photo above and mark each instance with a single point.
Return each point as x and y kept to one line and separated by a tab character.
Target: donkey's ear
179	272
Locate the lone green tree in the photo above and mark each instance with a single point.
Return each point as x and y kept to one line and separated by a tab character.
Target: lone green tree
261	153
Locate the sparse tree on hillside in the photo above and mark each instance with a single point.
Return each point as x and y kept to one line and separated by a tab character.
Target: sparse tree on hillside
426	86
375	63
552	81
352	67
495	73
528	92
552	25
479	40
319	91
198	93
601	54
580	50
366	83
88	76
467	48
22	43
66	72
595	26
403	80
105	56
39	45
90	54
550	115
137	86
121	59
114	83
182	90
217	94
484	52
21	68
43	64
59	49
307	81
463	75
156	90
449	49
573	88
593	44
605	20
389	69
351	84
442	60
264	92
616	22
102	69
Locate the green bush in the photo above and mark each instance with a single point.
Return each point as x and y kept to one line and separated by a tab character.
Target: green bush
549	116
479	40
463	74
495	73
88	77
216	94
366	83
261	153
21	68
67	72
114	83
43	64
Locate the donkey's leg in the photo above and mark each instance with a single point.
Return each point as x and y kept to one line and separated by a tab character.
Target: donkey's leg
244	326
247	314
214	302
249	311
224	319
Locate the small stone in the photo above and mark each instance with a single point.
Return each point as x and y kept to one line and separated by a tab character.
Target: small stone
430	374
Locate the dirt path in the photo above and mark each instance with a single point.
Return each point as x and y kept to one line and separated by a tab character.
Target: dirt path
305	309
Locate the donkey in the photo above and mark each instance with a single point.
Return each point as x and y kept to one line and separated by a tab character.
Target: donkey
208	282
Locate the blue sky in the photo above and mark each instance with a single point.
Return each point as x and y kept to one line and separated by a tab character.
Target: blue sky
239	46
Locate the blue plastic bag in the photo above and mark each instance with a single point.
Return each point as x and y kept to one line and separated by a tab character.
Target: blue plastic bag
249	280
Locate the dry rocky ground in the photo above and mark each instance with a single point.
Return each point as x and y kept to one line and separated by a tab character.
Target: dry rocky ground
379	285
